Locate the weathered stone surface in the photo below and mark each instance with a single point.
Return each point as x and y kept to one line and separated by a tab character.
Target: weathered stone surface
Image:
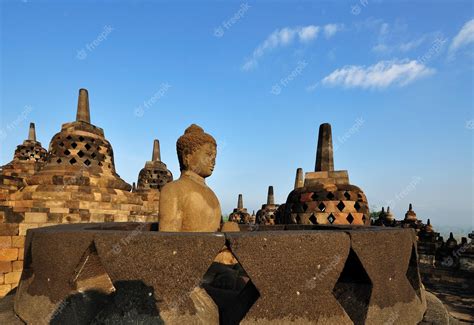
261	255
330	275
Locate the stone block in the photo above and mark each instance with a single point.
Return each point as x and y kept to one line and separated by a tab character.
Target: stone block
25	226
17	266
5	289
8	254
9	229
12	277
5	241
21	253
5	266
36	217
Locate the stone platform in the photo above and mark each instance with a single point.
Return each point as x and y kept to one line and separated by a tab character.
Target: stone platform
104	273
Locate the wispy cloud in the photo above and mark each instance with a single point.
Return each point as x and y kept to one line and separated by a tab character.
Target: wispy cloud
378	76
463	38
393	37
286	36
331	29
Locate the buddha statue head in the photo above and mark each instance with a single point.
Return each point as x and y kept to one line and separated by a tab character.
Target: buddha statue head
196	151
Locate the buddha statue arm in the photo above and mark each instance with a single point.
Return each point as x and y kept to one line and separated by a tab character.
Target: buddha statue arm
171	218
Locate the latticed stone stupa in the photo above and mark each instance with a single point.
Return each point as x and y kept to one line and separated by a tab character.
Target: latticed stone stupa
267	214
327	197
28	159
78	183
240	214
151	179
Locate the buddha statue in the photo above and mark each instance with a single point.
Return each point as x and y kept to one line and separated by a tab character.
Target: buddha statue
188	204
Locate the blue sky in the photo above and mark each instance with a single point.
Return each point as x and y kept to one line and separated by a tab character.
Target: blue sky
395	80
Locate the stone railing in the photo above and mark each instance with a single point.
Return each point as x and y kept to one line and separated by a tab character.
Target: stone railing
101	273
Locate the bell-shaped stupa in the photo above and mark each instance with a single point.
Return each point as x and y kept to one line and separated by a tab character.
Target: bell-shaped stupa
28	159
78	182
267	214
240	214
326	196
151	179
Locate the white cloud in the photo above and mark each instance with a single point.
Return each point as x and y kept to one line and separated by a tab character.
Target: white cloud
312	87
331	29
308	33
286	36
379	75
411	45
463	38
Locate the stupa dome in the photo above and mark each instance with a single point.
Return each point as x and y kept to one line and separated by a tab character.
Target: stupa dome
326	196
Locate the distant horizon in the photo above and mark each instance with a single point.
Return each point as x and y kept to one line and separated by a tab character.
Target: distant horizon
260	77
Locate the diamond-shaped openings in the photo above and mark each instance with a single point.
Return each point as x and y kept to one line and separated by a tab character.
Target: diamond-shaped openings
341	206
357	206
305	207
72	161
230	287
80	154
330	196
74	145
331	218
87	162
353	289
87	146
347	195
90	274
313	219
413	274
322	207
350	218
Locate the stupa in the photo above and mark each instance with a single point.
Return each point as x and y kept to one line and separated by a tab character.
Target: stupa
327	197
28	159
240	214
151	179
266	215
410	216
78	182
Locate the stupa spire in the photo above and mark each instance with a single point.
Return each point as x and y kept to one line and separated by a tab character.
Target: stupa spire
270	196
324	153
156	151
240	202
299	179
83	113
32	132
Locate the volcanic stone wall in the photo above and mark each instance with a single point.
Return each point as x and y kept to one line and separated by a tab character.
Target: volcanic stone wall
295	273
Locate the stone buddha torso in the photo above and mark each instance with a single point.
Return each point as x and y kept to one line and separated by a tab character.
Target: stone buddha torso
188	204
